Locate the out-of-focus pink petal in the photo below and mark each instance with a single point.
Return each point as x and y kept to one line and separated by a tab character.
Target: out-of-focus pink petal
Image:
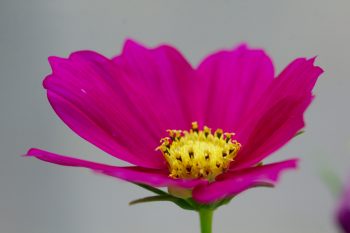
152	177
234	182
123	106
232	82
343	211
278	116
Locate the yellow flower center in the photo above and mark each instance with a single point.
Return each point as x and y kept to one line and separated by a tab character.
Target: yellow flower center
198	153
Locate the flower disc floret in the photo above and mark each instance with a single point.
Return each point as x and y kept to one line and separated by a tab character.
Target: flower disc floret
198	153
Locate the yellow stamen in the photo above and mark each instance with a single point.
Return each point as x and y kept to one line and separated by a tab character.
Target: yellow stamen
198	153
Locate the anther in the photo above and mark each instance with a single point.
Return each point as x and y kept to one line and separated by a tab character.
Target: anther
165	151
195	126
171	134
228	137
191	154
177	134
218	133
206	131
166	144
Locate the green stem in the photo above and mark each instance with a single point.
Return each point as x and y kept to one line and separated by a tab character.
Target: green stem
206	218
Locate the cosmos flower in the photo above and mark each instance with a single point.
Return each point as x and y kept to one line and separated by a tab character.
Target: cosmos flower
203	129
343	213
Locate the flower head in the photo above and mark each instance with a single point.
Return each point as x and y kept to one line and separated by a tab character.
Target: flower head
343	213
205	129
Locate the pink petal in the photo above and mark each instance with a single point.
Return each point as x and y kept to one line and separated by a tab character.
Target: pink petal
123	107
152	177
233	81
166	78
232	183
278	116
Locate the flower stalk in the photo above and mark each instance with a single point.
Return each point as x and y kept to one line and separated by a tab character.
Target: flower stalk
206	219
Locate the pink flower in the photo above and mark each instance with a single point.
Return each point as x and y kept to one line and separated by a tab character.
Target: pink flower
343	213
127	104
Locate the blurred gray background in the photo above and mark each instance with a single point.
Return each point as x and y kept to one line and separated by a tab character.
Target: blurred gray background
37	197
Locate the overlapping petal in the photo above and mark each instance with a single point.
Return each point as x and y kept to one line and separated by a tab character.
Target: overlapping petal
148	176
168	81
234	182
278	116
123	106
242	96
232	82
